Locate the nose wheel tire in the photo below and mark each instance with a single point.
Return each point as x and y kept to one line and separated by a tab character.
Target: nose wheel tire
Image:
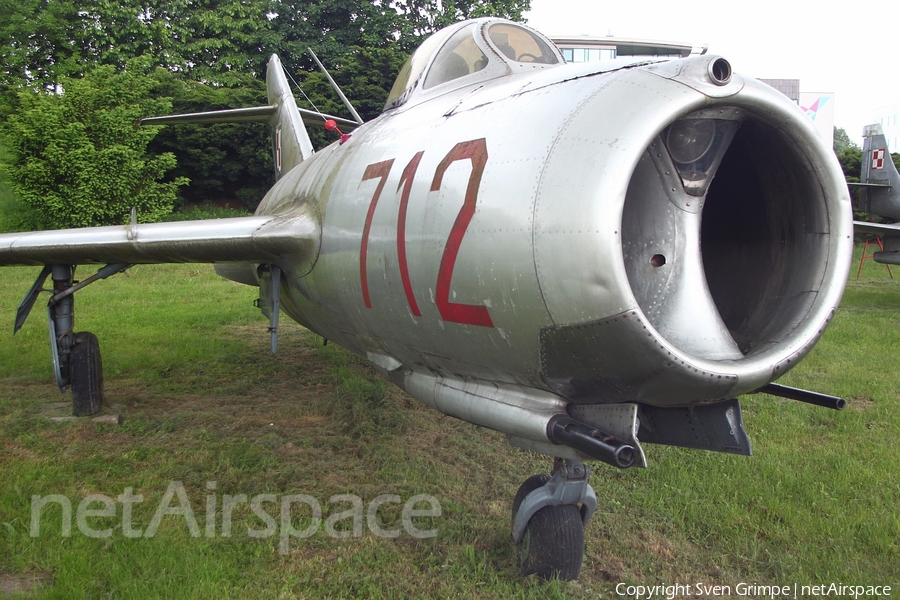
553	543
86	375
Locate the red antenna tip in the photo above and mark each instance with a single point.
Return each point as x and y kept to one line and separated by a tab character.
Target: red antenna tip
330	125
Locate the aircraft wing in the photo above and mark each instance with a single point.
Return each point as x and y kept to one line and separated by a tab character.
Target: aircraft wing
257	239
889	242
867	185
877	229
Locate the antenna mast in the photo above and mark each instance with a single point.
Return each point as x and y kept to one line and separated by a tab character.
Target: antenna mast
334	85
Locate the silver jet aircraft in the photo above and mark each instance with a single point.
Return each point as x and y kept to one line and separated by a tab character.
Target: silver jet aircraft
584	257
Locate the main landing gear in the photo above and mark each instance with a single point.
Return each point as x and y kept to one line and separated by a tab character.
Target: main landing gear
76	356
549	514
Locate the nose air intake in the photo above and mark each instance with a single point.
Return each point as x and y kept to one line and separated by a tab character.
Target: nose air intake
736	212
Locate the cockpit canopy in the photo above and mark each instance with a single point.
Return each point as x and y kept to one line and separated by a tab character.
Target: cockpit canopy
467	53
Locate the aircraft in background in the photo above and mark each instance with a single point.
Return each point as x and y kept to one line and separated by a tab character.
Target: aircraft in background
584	256
879	185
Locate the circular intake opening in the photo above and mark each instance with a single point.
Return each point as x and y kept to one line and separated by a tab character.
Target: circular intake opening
763	236
745	272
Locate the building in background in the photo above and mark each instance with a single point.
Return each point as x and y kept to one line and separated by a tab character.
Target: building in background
788	87
583	48
818	106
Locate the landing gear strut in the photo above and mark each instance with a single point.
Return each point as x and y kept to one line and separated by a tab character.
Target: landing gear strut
76	356
548	519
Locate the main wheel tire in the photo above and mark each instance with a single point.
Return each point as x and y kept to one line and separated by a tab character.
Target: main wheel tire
86	375
553	544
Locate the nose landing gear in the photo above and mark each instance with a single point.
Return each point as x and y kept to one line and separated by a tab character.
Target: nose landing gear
548	519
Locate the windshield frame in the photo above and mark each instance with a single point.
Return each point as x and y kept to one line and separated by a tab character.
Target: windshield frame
409	87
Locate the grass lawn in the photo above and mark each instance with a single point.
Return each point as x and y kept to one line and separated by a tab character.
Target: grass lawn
211	417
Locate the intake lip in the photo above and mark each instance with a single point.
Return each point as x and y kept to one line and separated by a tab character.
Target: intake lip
751	267
677	280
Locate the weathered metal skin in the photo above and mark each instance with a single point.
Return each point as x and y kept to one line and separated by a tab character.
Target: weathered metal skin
552	254
530	240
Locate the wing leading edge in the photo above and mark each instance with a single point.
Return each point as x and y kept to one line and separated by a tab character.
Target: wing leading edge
257	239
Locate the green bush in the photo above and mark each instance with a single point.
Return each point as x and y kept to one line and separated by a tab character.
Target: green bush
78	157
14	216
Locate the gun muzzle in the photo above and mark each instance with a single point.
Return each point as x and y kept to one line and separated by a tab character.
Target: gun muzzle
567	431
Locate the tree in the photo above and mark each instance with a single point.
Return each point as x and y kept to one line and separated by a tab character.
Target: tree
40	41
212	48
363	44
212	40
842	141
44	40
226	161
850	158
79	158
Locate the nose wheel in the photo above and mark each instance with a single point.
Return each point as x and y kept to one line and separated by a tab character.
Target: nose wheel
549	514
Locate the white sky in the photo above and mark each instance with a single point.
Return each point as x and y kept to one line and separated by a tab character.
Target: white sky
845	50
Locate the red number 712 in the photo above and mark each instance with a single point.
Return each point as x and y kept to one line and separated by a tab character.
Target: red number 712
474	150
